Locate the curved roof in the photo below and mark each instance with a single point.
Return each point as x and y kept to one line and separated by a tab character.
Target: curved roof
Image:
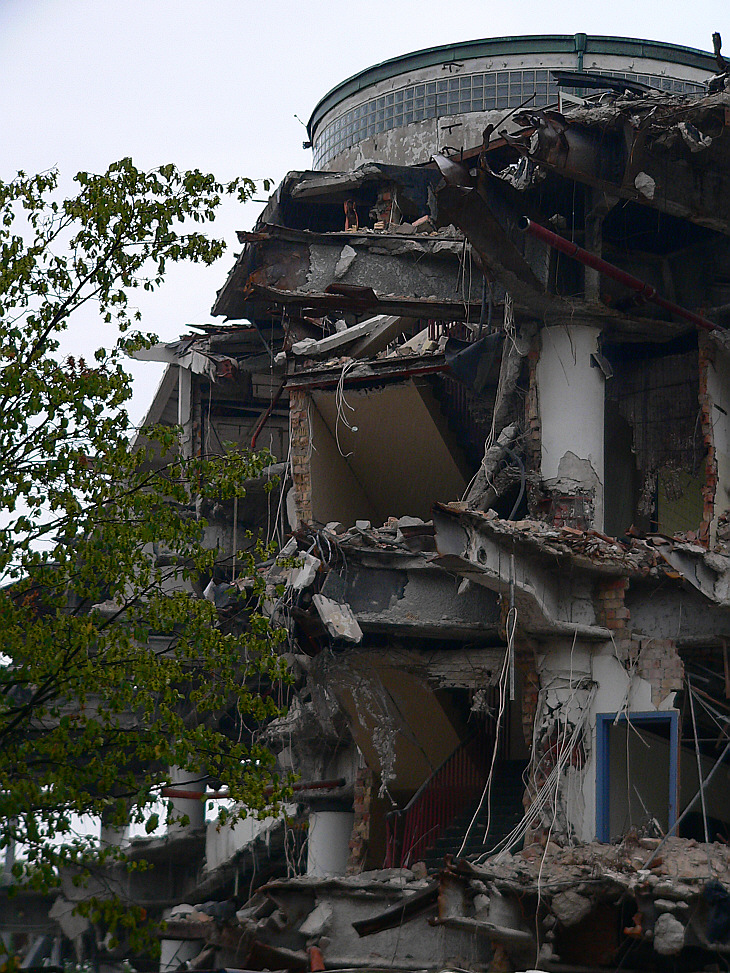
496	46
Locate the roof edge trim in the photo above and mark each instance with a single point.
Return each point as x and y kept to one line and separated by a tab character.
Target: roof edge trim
494	46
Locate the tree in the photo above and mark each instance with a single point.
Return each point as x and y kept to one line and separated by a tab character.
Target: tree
111	670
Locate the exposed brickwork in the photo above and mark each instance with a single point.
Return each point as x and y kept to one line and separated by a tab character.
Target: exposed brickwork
300	453
657	660
614	615
659	663
709	488
360	837
562	511
612	610
525	662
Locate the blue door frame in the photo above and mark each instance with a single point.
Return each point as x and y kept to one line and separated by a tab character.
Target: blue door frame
604	722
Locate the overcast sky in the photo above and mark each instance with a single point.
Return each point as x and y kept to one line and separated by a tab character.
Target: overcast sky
216	84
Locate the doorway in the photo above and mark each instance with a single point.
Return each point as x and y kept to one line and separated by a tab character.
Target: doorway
636	772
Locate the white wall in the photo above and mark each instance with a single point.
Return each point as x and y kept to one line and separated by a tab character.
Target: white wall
222	842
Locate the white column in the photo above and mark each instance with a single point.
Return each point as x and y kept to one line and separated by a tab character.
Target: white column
193	808
185	408
571	394
328	843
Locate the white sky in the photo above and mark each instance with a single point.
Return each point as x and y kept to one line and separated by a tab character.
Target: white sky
215	84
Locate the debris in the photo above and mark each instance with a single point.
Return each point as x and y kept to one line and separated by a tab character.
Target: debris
317	922
570	907
645	185
338	619
668	935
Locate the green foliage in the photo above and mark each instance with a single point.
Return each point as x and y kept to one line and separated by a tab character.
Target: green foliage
112	667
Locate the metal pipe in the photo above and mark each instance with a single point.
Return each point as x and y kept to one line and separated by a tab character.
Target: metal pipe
262	421
703	785
645	290
697	756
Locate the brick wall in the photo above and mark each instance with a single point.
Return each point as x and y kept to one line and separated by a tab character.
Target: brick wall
525	662
614	615
300	453
657	660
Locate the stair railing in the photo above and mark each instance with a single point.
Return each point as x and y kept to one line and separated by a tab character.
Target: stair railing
450	790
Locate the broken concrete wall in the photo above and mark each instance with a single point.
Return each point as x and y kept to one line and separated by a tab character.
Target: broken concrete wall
656	394
715	362
353	456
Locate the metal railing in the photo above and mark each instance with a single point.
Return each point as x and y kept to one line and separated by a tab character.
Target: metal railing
449	791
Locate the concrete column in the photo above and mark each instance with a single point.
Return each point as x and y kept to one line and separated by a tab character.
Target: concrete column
185	409
571	396
194	809
328	845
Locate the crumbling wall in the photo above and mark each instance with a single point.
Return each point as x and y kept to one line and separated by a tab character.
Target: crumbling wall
561	743
300	453
613	613
525	661
712	380
655	660
662	397
360	839
659	663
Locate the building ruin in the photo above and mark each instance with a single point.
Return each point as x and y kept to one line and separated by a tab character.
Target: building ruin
485	342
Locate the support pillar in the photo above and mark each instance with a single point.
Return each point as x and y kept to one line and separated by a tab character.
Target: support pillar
193	808
328	845
571	395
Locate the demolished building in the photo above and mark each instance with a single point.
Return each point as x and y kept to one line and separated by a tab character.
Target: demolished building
489	357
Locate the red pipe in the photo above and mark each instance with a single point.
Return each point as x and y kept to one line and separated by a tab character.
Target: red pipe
610	270
262	421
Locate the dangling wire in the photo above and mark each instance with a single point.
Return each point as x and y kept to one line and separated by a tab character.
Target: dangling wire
342	404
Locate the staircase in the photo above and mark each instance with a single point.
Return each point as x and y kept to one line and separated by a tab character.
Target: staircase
452	788
507	812
456	404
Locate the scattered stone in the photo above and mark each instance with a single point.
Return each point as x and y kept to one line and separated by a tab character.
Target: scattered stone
307	571
570	907
317	922
665	905
668	935
338	619
401	875
481	906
